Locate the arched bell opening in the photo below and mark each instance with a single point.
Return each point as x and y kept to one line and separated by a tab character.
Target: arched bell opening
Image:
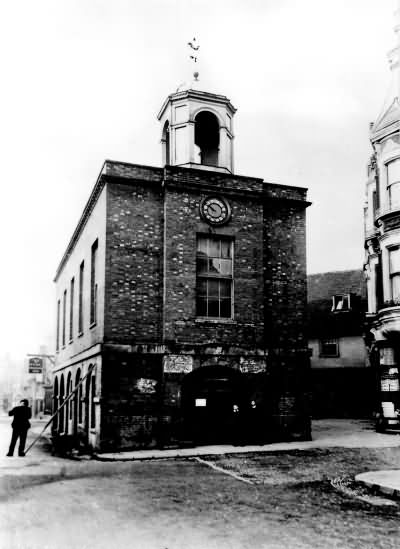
212	400
165	140
206	138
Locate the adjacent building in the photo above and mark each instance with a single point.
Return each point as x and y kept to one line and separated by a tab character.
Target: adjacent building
382	250
181	297
342	380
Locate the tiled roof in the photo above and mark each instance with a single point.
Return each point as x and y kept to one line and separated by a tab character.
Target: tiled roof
322	322
325	285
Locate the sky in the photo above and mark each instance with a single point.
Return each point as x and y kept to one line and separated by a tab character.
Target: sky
83	80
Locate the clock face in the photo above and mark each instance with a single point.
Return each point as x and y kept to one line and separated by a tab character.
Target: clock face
215	210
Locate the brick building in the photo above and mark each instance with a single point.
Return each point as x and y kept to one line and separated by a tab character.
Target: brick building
343	383
182	294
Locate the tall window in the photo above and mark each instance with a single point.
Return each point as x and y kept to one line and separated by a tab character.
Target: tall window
394	269
93	284
58	326
80	303
64	313
214	277
71	309
393	182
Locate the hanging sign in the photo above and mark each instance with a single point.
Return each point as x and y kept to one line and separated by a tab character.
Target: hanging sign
35	365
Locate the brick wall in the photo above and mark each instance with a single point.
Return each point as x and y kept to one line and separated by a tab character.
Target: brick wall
182	225
285	276
131	393
133	263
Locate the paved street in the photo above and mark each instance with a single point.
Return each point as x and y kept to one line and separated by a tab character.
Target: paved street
276	500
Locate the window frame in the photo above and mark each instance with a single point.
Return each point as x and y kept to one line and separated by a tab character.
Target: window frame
337	299
393	274
93	282
219	277
71	309
394	183
58	325
80	297
329	341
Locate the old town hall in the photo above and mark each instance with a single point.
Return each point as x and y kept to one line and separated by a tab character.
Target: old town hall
181	297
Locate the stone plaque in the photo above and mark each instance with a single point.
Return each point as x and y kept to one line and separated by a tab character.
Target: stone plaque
178	364
251	365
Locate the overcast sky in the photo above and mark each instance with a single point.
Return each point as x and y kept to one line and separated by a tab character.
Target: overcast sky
82	81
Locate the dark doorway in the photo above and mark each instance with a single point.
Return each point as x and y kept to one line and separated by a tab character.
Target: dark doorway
212	398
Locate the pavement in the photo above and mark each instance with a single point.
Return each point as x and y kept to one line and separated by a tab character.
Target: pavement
326	434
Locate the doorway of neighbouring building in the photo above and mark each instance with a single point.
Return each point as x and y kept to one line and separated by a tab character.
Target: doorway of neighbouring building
212	399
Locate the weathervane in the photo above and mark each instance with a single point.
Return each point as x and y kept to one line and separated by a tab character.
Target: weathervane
194	48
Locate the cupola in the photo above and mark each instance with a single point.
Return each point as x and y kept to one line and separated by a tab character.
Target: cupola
197	130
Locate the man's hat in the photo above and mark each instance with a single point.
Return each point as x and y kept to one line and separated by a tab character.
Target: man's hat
25	401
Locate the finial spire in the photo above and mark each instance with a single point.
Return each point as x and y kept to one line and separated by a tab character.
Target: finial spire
194	55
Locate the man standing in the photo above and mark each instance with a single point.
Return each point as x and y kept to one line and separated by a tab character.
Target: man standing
20	426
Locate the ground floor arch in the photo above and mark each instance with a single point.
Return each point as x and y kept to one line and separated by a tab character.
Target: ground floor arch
213	404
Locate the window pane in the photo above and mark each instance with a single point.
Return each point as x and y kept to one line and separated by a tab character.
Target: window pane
393	171
213	247
213	288
214	266
213	307
202	245
396	287
226	309
201	307
225	288
202	265
225	248
394	193
202	287
226	267
394	258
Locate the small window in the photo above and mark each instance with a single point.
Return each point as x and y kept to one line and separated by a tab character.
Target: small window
341	302
329	348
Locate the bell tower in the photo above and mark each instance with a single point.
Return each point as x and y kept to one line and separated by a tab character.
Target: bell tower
197	129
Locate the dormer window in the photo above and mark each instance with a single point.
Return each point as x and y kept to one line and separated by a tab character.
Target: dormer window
341	302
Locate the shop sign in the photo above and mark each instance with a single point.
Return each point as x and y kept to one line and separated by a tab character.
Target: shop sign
178	364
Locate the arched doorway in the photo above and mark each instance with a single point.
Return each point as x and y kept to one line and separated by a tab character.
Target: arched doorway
55	404
68	404
213	398
77	402
61	416
206	137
